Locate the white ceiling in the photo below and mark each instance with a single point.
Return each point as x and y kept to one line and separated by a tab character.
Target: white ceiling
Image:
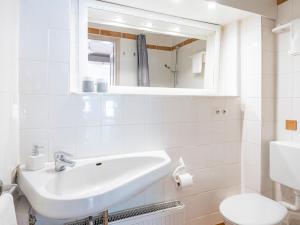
130	21
190	9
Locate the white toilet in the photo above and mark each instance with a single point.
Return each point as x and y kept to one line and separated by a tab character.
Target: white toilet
252	209
255	209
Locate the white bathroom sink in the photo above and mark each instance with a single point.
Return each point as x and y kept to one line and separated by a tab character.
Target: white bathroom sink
93	185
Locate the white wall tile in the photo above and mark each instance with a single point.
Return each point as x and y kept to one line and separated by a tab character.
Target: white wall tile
154	109
233	130
179	109
34	111
62	112
269	86
296	63
58	78
87	110
253	86
268	38
203	109
226	153
282	42
5	112
285	86
194	162
253	109
33	77
284	63
268	62
200	205
218	131
59	19
233	109
72	111
284	108
126	109
154	137
111	109
31	137
253	131
204	133
281	133
62	139
88	141
59	45
296	109
253	177
34	44
172	135
268	112
115	138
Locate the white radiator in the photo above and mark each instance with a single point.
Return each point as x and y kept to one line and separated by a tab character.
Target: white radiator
165	213
171	216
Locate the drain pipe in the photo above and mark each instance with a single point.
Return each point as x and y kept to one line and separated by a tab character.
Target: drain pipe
296	205
105	217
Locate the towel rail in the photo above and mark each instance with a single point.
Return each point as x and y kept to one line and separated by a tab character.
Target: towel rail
10	188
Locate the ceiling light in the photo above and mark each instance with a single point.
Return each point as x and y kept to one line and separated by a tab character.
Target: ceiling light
149	24
119	20
177	29
211	5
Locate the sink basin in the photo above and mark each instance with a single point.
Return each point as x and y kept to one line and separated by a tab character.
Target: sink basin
93	185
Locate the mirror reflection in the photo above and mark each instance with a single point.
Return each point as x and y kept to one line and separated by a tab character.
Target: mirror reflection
142	53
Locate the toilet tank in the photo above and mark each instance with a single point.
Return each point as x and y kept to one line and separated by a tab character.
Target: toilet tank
285	163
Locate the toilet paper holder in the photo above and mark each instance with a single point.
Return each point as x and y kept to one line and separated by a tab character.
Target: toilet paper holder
7	188
179	169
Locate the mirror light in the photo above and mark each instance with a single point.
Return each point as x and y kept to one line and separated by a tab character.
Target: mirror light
177	29
149	24
211	5
119	20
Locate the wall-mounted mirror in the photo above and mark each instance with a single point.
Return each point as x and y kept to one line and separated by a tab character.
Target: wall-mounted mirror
128	47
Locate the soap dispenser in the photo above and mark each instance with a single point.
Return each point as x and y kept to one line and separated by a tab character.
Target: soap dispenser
36	160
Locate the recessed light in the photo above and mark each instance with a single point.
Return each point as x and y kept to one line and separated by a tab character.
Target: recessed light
149	24
211	5
119	20
177	29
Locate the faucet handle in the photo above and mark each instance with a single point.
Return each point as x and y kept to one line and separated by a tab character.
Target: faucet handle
61	154
36	149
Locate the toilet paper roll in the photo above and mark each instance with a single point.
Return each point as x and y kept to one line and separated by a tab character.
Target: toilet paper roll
184	180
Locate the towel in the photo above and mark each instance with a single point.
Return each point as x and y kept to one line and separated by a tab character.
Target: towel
198	60
7	210
295	37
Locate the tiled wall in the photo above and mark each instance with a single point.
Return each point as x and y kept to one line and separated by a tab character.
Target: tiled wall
287	84
257	91
8	90
251	98
288	75
93	125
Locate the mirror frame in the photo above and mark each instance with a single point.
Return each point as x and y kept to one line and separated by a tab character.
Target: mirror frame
79	49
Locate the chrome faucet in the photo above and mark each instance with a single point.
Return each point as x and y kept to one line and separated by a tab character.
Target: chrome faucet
61	161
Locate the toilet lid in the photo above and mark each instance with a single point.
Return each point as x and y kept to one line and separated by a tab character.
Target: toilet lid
252	209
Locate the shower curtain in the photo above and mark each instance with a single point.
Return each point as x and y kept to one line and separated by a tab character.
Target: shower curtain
142	57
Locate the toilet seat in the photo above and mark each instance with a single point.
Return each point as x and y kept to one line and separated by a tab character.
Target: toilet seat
252	209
